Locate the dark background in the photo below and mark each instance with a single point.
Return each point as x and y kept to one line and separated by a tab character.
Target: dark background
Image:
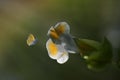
89	19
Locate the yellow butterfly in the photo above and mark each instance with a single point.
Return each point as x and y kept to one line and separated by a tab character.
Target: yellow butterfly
60	43
31	40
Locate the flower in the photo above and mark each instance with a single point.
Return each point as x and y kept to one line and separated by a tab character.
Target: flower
60	42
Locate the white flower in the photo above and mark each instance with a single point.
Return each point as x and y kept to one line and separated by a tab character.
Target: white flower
60	42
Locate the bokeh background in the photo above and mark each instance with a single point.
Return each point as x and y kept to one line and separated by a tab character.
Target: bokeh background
90	19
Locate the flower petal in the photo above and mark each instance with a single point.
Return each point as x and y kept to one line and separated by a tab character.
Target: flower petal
52	33
64	57
68	43
52	49
57	52
62	27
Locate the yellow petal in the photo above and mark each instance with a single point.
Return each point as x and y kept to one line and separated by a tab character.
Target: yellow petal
62	27
52	33
52	49
64	57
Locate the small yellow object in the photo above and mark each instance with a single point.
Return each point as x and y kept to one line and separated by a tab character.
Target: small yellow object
85	57
31	40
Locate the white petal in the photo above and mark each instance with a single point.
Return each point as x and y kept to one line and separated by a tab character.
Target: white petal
60	54
52	49
69	44
63	26
49	31
64	57
71	51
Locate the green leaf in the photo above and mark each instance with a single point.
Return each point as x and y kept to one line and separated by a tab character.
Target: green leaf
86	46
97	55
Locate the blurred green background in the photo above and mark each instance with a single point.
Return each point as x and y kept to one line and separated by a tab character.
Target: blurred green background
90	19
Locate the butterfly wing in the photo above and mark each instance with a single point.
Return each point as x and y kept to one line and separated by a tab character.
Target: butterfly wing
31	40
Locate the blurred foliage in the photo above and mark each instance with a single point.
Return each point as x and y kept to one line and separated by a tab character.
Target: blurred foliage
118	61
97	55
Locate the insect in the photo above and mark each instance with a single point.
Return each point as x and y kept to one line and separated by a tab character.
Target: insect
60	42
31	40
